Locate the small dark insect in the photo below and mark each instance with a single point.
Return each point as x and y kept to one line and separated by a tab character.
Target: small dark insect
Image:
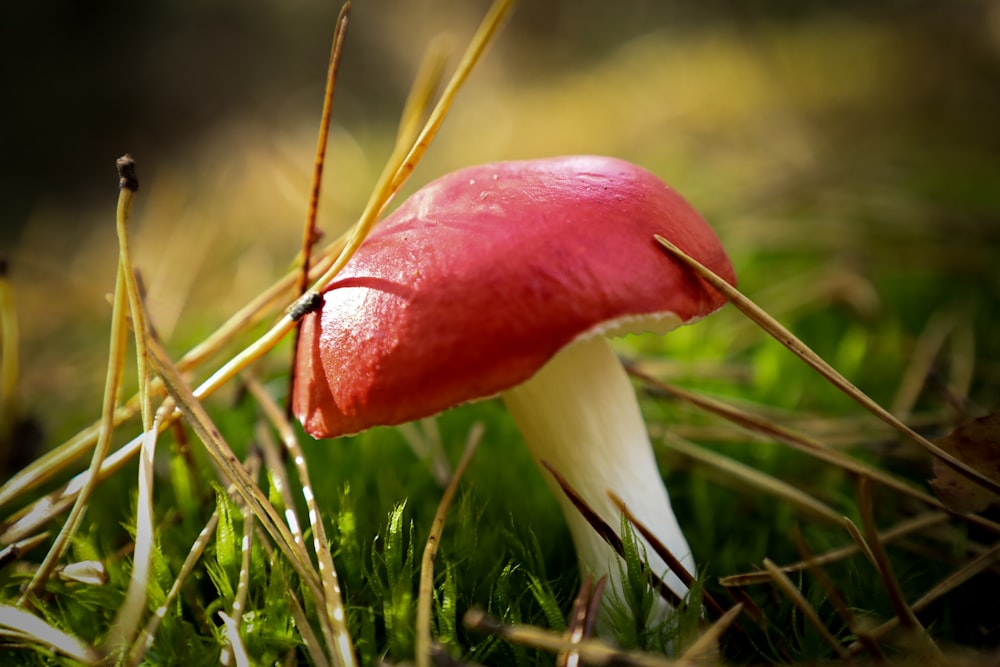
306	304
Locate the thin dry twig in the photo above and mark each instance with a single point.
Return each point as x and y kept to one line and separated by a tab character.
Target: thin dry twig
332	598
665	555
13	552
706	647
903	611
147	636
223	457
805	444
582	618
236	647
309	228
23	625
424	438
575	626
925	352
425	593
309	232
591	651
246	550
755	478
792	592
974	567
608	534
900	530
334	255
833	595
817	363
129	615
859	539
126	623
112	385
277	472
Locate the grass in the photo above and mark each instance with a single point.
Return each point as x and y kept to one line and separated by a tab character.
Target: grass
810	517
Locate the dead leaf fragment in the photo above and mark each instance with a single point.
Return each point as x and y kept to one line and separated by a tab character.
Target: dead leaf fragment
977	443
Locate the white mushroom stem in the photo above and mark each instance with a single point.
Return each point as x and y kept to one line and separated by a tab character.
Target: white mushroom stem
579	414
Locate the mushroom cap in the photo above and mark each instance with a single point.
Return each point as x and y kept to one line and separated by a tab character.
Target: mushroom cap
480	277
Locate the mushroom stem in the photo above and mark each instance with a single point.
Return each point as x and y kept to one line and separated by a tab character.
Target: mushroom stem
579	414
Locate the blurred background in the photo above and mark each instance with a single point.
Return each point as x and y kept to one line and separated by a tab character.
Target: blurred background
848	153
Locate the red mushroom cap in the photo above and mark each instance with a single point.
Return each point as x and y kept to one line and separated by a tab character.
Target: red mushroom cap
480	277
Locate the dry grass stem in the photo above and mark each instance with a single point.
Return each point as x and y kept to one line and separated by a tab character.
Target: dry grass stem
246	549
424	438
583	617
276	296
591	651
925	352
861	541
950	583
904	528
792	592
323	585
22	625
127	270
309	638
405	158
267	302
274	463
309	228
608	534
427	80
232	633
223	457
12	553
332	598
665	555
754	478
112	385
805	444
833	595
130	613
817	363
425	592
148	634
903	611
706	647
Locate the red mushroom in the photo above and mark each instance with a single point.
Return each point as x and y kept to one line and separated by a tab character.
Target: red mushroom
505	279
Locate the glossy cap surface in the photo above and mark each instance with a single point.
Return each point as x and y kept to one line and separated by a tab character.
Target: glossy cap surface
475	281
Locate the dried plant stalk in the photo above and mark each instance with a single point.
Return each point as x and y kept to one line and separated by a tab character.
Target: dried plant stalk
817	363
425	593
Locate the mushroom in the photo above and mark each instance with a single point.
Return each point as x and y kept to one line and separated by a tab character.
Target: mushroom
506	279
